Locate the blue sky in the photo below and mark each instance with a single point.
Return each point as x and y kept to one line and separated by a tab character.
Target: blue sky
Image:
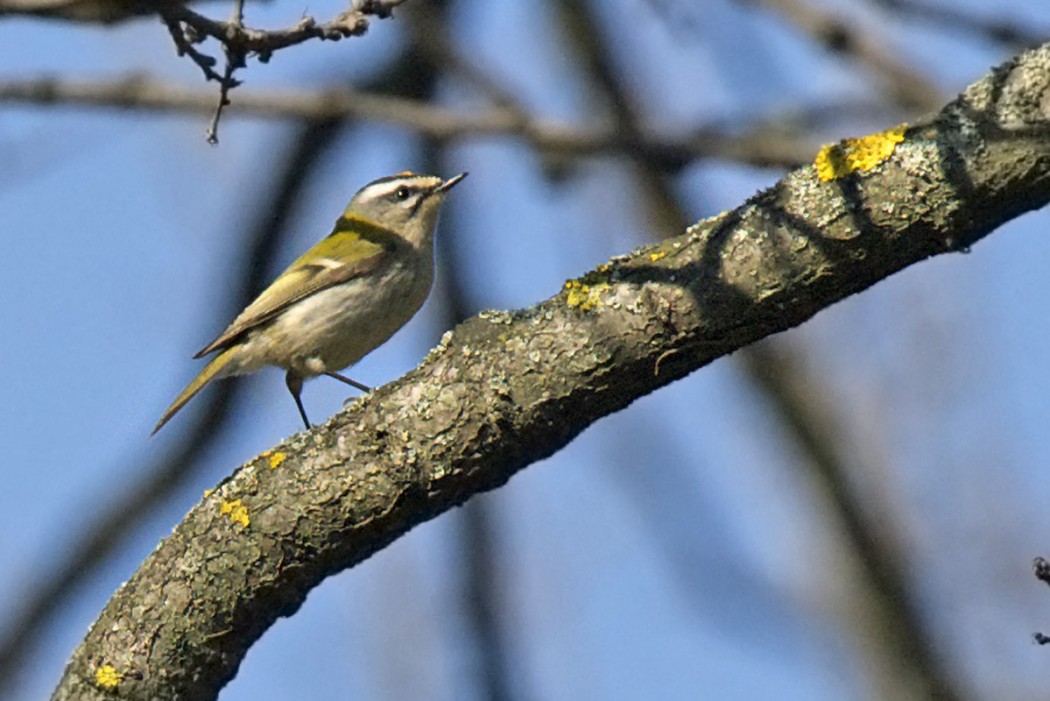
676	550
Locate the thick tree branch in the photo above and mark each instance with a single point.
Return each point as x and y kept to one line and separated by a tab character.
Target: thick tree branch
506	389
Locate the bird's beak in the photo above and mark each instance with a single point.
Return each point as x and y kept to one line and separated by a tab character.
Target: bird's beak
450	183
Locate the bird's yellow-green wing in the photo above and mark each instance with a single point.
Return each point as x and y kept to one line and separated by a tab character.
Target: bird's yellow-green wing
356	247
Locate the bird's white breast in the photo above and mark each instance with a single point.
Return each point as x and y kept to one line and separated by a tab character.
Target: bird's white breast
338	326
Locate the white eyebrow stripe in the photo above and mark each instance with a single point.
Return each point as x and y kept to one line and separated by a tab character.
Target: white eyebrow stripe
381	190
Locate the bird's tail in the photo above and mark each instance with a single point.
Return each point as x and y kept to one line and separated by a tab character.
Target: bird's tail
209	373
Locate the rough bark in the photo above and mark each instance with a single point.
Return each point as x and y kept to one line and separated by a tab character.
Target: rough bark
506	389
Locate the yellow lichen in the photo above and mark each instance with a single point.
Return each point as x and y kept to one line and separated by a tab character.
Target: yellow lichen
862	153
583	296
236	510
107	677
208	492
276	459
657	255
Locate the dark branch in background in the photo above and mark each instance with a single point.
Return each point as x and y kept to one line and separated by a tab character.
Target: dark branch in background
86	11
901	636
506	389
484	605
652	176
890	611
478	538
179	466
943	16
427	60
429	36
839	35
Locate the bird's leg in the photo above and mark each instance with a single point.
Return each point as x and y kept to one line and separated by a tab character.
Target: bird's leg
295	386
347	380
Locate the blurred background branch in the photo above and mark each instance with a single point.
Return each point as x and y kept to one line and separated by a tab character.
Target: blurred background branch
763	146
853	39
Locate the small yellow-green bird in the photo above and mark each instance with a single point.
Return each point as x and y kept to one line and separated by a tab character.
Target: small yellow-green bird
342	298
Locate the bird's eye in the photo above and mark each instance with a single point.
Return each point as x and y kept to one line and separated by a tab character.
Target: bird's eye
401	194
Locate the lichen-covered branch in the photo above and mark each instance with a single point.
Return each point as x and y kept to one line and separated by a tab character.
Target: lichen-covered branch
506	389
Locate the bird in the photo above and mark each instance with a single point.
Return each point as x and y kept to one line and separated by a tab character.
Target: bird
341	299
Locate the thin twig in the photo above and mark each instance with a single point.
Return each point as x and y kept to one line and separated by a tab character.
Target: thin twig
185	48
188	27
212	133
235	58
